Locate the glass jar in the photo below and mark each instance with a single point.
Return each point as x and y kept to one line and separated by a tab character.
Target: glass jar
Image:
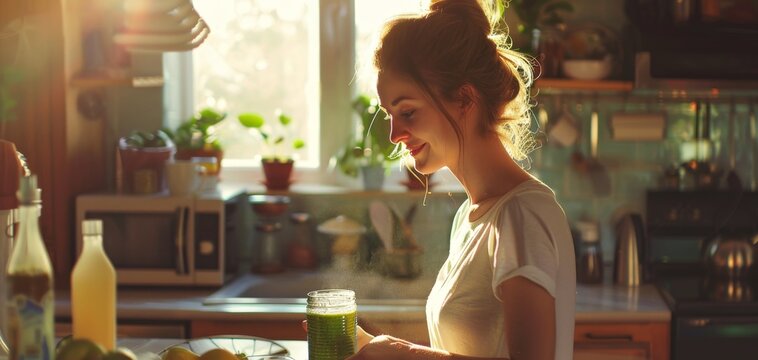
332	321
590	262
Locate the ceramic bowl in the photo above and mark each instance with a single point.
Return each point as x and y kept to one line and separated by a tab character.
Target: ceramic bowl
587	69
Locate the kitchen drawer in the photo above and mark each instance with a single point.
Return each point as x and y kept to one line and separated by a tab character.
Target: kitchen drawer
647	340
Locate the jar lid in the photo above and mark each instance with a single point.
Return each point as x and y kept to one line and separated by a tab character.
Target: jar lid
589	231
341	225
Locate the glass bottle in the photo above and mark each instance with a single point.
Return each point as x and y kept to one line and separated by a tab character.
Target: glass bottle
93	290
30	305
332	320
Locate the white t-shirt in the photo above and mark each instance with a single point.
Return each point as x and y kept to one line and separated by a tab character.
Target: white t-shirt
524	234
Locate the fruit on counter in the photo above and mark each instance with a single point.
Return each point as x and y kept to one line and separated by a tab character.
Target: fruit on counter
120	353
79	349
179	353
218	354
70	348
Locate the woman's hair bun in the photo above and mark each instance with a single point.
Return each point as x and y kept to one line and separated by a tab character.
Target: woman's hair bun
469	11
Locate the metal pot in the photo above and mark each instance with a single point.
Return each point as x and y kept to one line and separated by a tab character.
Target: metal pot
730	256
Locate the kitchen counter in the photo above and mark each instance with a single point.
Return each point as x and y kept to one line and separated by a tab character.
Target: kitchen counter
594	303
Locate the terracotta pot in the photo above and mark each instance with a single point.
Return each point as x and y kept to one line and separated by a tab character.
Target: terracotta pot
188	154
277	174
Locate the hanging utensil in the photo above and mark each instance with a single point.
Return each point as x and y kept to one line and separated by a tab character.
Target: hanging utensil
381	219
732	178
753	147
601	181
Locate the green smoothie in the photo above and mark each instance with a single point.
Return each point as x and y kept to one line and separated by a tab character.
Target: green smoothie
331	336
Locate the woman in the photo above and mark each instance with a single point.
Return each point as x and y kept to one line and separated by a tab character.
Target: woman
458	98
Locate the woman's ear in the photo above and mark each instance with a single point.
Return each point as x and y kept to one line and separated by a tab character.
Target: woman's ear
468	97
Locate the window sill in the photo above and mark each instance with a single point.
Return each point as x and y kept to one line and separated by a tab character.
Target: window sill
312	182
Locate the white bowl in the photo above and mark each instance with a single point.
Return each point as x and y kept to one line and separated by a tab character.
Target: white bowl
587	69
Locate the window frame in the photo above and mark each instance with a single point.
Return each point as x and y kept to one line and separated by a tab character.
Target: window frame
337	70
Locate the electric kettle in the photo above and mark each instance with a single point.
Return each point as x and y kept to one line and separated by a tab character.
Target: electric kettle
730	256
630	233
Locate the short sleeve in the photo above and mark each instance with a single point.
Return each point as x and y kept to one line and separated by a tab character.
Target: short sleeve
523	244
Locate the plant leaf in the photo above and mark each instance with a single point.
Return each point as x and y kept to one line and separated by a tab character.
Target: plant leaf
284	119
278	140
298	144
251	120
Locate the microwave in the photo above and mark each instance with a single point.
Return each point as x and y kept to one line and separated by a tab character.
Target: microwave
159	240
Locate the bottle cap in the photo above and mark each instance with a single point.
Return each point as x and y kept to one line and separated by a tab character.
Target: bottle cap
92	227
28	192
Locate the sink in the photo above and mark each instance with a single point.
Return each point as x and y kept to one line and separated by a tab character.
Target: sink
292	287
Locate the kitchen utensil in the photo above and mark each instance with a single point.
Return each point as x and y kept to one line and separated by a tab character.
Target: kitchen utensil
601	181
753	126
381	219
407	238
628	257
732	178
401	263
730	256
701	173
564	131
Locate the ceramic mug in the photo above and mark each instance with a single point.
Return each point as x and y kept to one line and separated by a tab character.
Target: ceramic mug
183	177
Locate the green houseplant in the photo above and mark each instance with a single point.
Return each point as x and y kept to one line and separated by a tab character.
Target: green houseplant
140	160
536	15
371	152
278	143
196	137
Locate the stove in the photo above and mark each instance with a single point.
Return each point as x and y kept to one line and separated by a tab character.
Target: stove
712	317
697	295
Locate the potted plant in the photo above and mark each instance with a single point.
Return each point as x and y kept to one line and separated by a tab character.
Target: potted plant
196	138
536	15
370	153
140	160
278	141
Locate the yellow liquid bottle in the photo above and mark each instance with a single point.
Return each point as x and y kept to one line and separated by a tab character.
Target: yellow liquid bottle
93	290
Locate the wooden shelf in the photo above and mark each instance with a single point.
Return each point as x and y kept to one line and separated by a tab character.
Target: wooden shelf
570	85
99	81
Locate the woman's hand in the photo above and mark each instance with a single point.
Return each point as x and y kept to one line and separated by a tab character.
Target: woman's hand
385	347
364	338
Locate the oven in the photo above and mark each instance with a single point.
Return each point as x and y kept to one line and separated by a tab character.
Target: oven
713	316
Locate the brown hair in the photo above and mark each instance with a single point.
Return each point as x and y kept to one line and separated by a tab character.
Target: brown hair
454	44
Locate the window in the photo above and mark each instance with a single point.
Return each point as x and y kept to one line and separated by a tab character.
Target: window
302	57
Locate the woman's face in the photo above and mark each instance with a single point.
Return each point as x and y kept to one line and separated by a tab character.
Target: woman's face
418	123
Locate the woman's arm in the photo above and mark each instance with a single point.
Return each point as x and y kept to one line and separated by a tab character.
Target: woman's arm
529	323
529	319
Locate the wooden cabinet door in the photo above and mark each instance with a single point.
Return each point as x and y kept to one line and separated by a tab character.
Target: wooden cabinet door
622	340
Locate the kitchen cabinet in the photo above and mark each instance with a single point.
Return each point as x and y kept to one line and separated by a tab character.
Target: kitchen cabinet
642	340
66	151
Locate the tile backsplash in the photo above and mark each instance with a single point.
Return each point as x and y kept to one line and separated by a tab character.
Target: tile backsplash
632	168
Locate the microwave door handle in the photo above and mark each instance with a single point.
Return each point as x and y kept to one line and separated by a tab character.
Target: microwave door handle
180	241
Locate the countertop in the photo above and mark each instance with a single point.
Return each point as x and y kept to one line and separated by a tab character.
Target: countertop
594	303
